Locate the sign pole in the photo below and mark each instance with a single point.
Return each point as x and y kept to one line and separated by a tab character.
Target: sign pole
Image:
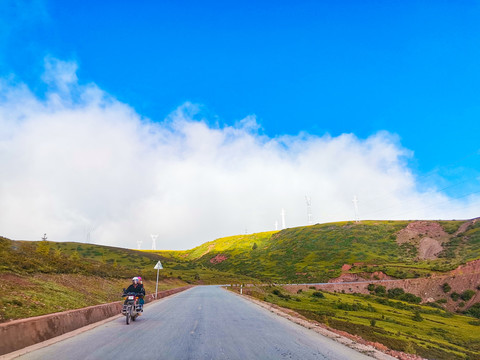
158	267
156	287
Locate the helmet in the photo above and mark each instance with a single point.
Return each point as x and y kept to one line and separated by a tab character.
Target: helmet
135	280
140	279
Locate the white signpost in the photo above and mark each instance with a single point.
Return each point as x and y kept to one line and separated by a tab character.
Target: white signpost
158	267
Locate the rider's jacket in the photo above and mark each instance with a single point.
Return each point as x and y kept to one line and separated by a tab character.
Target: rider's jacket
136	288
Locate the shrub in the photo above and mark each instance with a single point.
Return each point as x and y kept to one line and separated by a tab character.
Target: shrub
395	293
474	310
43	247
280	294
299	291
435	305
446	288
417	316
318	294
380	290
17	302
348	307
371	287
408	297
467	295
373	322
455	296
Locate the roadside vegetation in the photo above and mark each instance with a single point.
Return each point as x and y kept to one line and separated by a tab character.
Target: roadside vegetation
400	325
39	294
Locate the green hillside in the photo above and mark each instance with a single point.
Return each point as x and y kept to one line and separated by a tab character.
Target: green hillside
430	332
30	257
42	277
317	253
303	254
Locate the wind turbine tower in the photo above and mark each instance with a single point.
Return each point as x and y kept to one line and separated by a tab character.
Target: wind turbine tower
283	219
88	233
139	244
355	207
309	210
154	238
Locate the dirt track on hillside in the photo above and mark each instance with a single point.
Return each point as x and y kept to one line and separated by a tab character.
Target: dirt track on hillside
429	289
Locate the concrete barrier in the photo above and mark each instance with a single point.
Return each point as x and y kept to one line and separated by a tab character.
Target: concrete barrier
18	334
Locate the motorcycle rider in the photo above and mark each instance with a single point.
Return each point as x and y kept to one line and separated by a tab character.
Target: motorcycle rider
137	288
142	291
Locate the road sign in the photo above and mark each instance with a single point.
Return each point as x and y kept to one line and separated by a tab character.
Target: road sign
158	266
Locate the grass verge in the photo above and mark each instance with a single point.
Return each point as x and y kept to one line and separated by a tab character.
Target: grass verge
41	294
416	329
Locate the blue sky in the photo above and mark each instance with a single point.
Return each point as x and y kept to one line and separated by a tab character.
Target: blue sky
407	68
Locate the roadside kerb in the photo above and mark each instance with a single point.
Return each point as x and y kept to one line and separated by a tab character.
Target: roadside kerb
18	334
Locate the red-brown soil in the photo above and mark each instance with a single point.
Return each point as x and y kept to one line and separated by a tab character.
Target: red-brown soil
427	236
465	277
218	259
14	279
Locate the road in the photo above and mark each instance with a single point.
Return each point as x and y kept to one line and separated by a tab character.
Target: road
205	322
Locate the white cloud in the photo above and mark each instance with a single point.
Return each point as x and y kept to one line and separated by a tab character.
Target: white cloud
60	75
80	161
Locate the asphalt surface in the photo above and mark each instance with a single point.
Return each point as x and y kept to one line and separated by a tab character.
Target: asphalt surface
205	322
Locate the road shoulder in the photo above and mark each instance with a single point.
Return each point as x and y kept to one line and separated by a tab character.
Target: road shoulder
374	350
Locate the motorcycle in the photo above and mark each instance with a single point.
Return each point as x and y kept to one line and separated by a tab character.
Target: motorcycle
131	307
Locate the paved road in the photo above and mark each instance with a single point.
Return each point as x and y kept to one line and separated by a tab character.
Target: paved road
204	322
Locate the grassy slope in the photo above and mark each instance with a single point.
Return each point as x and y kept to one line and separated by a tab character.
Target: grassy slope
465	247
38	278
434	334
89	259
304	254
38	294
60	275
317	253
